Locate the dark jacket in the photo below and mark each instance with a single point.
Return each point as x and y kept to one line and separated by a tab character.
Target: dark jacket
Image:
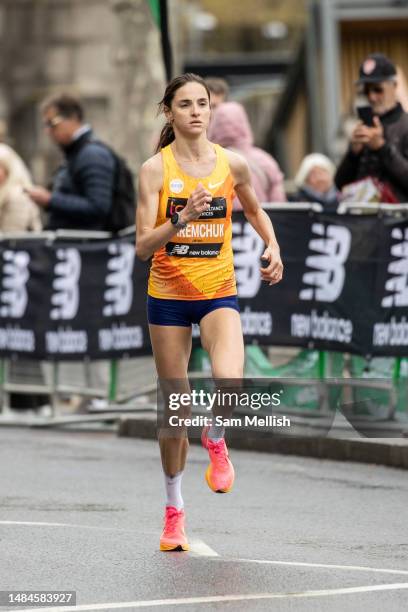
83	187
389	164
329	200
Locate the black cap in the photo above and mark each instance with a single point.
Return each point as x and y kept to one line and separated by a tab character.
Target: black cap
376	68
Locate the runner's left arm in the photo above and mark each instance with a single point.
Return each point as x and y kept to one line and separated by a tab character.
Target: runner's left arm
257	217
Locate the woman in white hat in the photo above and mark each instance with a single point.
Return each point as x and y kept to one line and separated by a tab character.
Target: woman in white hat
315	182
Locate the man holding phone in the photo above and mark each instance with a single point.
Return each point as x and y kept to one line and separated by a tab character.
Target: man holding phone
379	143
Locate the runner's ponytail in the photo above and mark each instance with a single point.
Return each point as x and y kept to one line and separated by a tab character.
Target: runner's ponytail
166	137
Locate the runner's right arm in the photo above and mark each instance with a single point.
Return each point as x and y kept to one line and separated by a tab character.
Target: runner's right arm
148	237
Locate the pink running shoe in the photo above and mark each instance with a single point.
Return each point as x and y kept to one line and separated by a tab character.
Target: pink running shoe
173	536
220	473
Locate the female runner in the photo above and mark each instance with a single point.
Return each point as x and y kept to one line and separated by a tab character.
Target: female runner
184	222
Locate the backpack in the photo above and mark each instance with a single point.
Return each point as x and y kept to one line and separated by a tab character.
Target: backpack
123	210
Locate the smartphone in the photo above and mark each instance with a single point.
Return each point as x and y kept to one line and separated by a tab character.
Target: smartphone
365	113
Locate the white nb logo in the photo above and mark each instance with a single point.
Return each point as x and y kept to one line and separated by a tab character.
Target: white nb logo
398	283
119	294
65	285
248	249
14	296
180	249
327	280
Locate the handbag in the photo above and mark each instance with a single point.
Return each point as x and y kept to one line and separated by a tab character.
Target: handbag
369	190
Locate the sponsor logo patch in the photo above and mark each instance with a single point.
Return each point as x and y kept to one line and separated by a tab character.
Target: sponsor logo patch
174	249
217	210
176	185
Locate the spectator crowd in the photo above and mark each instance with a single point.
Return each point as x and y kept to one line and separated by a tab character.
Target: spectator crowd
373	169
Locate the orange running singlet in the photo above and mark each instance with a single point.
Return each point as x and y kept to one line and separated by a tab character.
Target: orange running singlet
198	262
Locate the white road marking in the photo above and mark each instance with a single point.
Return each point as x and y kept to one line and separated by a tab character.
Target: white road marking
43	524
221	598
71	525
202	549
359	568
198	547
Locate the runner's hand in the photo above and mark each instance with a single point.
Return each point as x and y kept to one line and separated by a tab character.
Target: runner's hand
273	272
197	203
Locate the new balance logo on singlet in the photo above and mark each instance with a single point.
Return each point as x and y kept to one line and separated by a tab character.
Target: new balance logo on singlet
177	249
193	250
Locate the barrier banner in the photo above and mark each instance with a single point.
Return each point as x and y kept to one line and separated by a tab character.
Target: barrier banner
345	285
70	300
389	330
345	288
325	298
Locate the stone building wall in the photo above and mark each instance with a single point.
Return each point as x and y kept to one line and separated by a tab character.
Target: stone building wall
94	48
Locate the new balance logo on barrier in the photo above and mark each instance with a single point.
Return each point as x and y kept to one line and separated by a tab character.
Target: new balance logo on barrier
326	281
65	285
248	247
119	294
13	294
398	283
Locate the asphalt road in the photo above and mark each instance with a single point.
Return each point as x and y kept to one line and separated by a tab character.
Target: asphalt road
83	512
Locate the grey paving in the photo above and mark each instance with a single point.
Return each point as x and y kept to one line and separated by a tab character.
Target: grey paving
103	497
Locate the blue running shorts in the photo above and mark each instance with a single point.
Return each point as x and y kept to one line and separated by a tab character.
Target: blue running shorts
185	312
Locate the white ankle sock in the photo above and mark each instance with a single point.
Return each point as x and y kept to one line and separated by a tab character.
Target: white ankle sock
216	432
173	490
